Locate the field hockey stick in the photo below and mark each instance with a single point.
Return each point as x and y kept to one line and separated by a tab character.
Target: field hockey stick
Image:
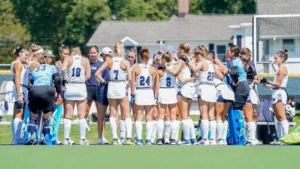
40	127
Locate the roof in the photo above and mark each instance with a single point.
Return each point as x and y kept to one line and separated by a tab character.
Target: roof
277	7
191	27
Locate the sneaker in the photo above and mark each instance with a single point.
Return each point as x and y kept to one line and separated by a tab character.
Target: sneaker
135	139
220	142
212	142
122	140
186	142
173	142
204	142
153	141
259	142
194	142
159	142
276	142
68	141
129	141
251	142
148	142
167	141
115	141
84	142
58	142
139	142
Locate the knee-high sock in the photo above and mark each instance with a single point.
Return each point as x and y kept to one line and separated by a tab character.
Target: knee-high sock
139	129
67	128
212	129
46	127
204	128
167	130
219	129
174	124
154	130
17	128
149	128
128	124
284	128
160	129
113	127
12	126
224	130
82	128
251	130
32	126
186	130
122	128
177	129
192	129
279	129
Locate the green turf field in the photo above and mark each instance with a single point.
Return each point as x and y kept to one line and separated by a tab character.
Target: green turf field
150	157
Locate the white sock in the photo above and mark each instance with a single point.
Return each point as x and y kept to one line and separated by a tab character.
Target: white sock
82	128
174	129
113	127
135	135
204	128
192	129
154	130
212	129
250	126
177	129
139	129
12	126
186	130
167	130
160	129
128	124
278	129
67	128
122	128
284	128
219	129
149	128
224	130
17	128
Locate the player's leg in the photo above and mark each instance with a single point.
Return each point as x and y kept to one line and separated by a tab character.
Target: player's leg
174	124
219	108
125	109
139	124
203	105
250	124
32	126
160	122
155	119
82	124
102	108
167	126
212	123
185	120
283	124
113	103
69	105
16	123
149	124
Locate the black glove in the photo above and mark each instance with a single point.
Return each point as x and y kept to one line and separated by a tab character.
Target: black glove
184	58
234	74
104	83
264	81
64	83
161	67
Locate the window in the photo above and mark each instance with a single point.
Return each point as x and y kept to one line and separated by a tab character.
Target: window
288	44
239	40
266	47
221	52
230	44
211	46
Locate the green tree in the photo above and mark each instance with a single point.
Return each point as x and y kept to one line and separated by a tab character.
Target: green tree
12	33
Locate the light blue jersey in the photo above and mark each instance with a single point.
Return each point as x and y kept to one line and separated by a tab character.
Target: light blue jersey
42	75
241	70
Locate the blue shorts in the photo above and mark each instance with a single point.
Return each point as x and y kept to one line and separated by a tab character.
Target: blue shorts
102	96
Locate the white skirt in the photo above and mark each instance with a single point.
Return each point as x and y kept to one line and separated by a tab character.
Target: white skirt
207	92
279	95
188	90
144	97
253	97
225	92
116	90
167	96
75	91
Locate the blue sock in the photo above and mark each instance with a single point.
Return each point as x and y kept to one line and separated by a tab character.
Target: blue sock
46	127
32	126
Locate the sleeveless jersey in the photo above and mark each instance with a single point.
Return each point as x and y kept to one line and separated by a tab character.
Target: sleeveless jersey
217	80
42	75
208	75
185	73
168	80
144	79
23	75
76	72
284	80
116	73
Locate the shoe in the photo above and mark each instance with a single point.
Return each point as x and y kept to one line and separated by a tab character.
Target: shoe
186	142
148	142
159	142
259	142
173	142
115	141
251	142
84	142
135	140
102	141
220	142
167	141
194	142
204	142
212	142
68	141
58	142
139	142
122	140
129	141
153	141
277	142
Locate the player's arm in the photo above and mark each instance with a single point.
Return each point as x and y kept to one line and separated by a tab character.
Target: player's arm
177	69
221	65
133	84
157	82
153	74
128	70
281	73
98	73
88	69
65	68
218	72
18	69
183	81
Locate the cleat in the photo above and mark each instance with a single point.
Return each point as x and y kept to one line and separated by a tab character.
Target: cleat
57	142
204	142
129	141
186	142
153	141
173	142
68	142
212	142
166	141
159	142
139	142
122	140
148	142
115	141
194	142
84	142
102	141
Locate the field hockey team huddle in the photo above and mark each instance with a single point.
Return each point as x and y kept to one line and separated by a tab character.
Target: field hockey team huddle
163	87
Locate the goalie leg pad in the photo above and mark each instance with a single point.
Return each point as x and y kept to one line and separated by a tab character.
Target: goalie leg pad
237	129
32	126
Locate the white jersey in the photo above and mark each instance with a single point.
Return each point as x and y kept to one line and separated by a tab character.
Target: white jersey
185	73
217	80
168	80
144	79
207	76
116	73
76	72
30	64
24	74
284	80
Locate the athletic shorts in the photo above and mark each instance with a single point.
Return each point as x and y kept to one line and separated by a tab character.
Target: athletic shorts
102	95
253	97
279	95
42	98
241	93
207	92
92	93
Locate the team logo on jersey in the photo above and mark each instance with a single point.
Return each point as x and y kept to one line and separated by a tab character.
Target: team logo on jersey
219	93
279	96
